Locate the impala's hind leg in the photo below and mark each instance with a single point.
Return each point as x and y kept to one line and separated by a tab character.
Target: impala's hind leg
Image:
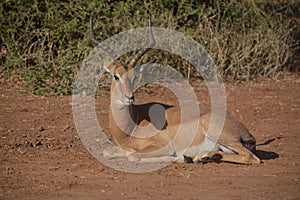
242	156
161	159
164	159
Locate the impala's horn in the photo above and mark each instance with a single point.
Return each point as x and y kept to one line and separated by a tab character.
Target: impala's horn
102	46
146	48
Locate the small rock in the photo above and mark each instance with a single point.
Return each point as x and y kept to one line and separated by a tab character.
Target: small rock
38	143
54	168
66	127
10	130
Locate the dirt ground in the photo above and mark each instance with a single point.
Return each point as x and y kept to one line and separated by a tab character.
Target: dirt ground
42	156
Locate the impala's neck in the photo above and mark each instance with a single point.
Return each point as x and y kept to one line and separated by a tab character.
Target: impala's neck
122	121
122	116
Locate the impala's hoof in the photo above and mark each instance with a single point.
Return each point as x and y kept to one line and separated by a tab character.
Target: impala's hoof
197	162
205	159
187	159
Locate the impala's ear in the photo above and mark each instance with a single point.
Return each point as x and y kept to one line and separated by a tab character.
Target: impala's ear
144	69
106	69
109	68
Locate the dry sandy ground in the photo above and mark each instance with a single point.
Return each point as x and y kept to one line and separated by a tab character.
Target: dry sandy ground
42	156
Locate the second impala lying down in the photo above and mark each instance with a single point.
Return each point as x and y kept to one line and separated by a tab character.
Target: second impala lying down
235	143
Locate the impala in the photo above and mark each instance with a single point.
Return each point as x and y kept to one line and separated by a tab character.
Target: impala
235	144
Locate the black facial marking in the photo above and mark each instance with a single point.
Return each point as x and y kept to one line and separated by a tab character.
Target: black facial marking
116	77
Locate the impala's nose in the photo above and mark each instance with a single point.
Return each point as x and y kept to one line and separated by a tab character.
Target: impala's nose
130	99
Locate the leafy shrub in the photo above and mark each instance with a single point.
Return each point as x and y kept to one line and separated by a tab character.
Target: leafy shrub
45	41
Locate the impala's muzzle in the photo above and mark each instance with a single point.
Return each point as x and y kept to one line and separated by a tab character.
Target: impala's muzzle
129	100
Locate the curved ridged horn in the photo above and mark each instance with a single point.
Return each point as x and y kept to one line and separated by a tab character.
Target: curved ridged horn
145	48
102	46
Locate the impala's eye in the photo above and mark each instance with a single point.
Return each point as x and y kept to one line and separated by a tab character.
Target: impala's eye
116	77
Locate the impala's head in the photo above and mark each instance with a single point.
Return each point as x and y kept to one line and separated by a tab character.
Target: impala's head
123	76
122	84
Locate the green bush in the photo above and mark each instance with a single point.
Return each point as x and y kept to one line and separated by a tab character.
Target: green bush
46	41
